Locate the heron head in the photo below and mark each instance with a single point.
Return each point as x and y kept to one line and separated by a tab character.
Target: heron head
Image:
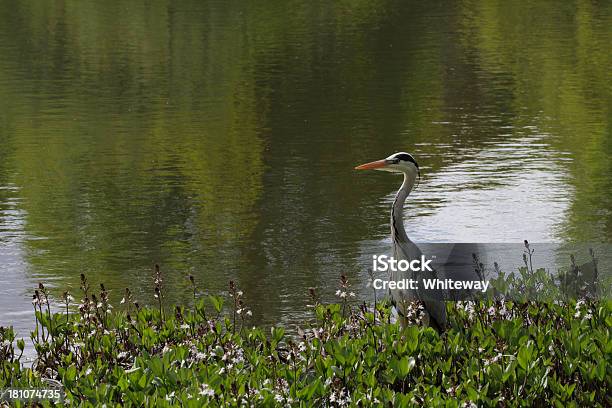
401	162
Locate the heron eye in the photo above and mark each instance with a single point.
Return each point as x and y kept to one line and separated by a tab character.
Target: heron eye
408	158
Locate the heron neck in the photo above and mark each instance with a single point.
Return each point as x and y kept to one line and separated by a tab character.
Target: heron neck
398	233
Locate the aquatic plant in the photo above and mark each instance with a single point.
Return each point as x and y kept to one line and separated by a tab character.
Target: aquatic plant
495	352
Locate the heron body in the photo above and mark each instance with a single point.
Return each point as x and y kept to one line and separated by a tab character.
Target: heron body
404	248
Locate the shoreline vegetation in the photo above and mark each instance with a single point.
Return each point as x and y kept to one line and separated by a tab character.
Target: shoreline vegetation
494	352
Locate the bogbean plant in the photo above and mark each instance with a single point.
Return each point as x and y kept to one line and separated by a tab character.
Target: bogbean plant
495	352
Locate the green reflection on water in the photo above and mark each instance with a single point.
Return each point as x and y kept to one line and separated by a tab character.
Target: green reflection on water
218	138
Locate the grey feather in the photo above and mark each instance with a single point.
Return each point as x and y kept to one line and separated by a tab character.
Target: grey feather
404	248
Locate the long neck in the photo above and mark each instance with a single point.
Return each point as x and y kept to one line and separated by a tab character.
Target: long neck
398	233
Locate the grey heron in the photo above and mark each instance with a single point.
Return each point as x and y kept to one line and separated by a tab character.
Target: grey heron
404	248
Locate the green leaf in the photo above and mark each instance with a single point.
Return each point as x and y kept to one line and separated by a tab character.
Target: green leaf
412	338
71	373
406	364
277	333
601	370
123	384
217	303
525	354
142	381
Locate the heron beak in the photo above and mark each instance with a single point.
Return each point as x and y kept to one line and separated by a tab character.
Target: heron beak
372	165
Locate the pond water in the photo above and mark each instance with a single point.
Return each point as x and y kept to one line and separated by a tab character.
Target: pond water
218	139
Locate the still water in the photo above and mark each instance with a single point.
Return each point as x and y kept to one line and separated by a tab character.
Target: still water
218	139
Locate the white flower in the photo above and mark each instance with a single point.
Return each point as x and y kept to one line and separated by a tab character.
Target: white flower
493	359
123	354
87	372
338	292
239	311
184	326
122	300
170	396
239	293
249	313
282	383
70	298
206	391
352	294
342	294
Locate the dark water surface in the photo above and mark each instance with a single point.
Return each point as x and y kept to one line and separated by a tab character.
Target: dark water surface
219	139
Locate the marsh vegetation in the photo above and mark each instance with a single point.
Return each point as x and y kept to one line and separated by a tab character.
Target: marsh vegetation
495	352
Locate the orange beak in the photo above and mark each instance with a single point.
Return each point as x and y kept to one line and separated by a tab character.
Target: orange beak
372	165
